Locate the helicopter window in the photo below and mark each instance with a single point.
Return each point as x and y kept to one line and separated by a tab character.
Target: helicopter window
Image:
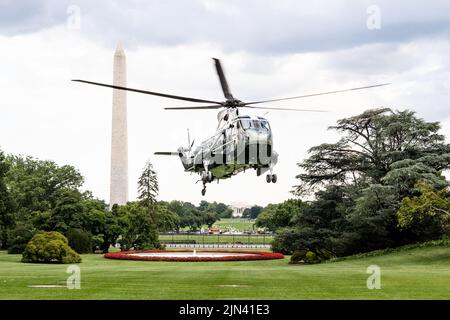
250	124
246	124
265	125
255	124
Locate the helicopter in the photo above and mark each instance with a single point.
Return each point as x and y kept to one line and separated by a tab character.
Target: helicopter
240	142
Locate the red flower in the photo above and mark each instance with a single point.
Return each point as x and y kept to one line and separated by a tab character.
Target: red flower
249	255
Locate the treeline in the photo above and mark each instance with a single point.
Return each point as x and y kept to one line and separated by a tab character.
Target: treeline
380	186
38	195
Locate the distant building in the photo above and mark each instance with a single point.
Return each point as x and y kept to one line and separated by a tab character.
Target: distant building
238	209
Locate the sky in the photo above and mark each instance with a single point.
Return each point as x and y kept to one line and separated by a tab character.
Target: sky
269	49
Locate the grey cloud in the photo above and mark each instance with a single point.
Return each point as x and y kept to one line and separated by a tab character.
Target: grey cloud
264	27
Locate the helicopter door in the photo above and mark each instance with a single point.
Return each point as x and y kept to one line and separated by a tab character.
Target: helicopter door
228	137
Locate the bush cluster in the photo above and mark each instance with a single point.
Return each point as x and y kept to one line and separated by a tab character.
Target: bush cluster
49	247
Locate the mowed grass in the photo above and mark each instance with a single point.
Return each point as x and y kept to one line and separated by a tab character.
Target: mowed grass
234	223
422	273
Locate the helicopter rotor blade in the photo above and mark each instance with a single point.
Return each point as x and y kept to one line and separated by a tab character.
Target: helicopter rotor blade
223	80
170	96
315	94
283	109
217	106
170	153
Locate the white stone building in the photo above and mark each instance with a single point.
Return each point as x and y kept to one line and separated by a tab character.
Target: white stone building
238	209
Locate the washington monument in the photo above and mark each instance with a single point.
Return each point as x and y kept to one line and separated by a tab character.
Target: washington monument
119	134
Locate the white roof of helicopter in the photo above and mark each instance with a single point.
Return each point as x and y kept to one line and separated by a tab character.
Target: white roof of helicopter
251	117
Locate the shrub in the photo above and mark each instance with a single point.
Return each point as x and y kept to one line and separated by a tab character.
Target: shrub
79	240
298	256
311	257
48	247
18	239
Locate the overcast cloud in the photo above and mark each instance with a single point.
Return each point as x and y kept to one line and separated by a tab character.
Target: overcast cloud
269	49
264	27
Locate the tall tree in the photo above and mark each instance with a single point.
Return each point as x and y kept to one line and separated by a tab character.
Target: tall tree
36	185
148	186
360	181
371	144
7	205
147	191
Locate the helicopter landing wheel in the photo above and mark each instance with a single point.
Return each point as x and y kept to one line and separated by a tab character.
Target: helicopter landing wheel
271	178
207	176
204	189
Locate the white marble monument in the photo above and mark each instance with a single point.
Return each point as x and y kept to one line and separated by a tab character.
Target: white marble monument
119	133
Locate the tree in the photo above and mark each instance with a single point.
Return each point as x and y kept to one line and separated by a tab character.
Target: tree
276	216
18	238
188	215
7	205
142	230
316	225
372	220
253	212
138	228
79	240
69	211
427	214
167	219
223	210
381	156
210	218
371	143
36	185
102	224
148	186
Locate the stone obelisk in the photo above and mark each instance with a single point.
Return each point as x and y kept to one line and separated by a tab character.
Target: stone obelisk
119	133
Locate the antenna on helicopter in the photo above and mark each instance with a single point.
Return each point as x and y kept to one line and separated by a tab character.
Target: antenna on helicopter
190	145
189	138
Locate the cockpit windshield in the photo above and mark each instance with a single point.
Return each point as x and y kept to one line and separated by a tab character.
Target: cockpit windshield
255	124
265	125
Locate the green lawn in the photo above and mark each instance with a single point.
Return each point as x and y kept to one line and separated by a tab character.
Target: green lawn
234	223
422	273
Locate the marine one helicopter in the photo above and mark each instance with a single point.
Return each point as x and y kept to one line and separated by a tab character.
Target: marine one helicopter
240	142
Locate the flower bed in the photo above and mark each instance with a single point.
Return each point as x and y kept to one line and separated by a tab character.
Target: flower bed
222	255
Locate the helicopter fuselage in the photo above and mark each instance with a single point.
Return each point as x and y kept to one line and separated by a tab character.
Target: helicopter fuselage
240	142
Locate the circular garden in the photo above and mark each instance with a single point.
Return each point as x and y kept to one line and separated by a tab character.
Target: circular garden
189	255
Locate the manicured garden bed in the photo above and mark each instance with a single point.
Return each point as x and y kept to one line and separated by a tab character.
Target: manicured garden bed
189	255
